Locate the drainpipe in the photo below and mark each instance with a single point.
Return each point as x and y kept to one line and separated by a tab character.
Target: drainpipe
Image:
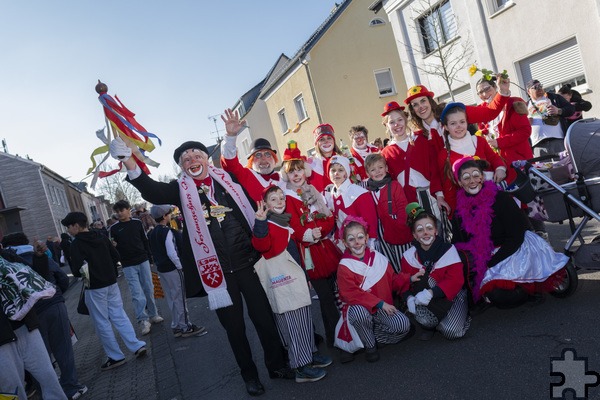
486	34
304	62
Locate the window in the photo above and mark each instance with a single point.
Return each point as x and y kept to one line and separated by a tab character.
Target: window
377	22
300	108
462	95
385	82
241	109
283	121
556	66
437	26
245	146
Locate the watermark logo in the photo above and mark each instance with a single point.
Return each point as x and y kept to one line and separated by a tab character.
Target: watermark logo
575	376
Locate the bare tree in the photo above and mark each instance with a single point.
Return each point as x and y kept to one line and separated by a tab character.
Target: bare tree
444	53
115	188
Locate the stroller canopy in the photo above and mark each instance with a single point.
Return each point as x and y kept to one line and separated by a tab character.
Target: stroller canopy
583	144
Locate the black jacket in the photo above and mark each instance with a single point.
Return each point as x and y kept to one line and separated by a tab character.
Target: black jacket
101	256
132	242
157	238
231	237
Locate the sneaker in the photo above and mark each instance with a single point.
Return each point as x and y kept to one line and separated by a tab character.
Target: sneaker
309	374
371	354
177	332
145	325
346	357
157	319
282	373
321	361
542	234
194	330
110	364
141	352
79	393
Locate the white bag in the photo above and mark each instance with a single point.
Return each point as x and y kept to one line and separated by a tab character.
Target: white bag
346	337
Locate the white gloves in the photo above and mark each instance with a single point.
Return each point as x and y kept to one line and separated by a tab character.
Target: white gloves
119	150
423	297
410	303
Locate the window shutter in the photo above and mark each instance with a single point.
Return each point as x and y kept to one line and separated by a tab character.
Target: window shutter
555	65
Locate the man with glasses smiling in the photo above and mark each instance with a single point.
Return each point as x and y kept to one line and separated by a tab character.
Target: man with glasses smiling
258	173
546	110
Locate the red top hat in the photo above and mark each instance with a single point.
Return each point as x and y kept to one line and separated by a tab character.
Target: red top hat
417	91
323	129
391	106
293	152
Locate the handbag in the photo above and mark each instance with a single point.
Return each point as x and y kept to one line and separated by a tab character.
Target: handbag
81	306
346	337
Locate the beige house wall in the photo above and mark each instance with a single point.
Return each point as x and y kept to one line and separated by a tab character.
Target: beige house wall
342	67
259	125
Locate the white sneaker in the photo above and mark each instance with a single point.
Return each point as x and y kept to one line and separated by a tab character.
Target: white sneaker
145	327
79	393
156	319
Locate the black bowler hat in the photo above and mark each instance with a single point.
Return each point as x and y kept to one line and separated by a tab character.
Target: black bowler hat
261	144
186	146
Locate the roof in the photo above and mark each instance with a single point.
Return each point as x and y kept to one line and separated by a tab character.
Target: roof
308	45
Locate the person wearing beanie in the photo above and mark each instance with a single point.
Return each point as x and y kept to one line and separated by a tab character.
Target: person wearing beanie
311	221
165	243
325	147
217	254
360	149
347	198
259	173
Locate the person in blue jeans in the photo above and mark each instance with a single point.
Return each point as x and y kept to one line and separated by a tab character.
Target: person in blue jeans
102	295
131	242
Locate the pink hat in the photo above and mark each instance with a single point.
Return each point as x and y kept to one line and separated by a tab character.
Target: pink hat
352	218
459	163
322	130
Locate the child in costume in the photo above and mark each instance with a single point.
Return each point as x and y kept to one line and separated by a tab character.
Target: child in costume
436	297
347	198
312	222
325	148
365	279
393	235
285	283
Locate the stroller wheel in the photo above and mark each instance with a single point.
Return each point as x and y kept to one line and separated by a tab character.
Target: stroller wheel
568	286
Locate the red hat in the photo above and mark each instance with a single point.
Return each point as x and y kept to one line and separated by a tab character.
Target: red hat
391	106
417	91
323	129
292	152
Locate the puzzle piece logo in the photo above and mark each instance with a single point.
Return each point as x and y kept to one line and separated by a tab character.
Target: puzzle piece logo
575	376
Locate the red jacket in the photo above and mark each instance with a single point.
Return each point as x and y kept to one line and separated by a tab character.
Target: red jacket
395	230
252	181
359	162
274	243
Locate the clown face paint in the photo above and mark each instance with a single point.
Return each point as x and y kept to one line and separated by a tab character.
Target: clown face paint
424	232
275	202
194	163
359	140
326	144
471	179
356	240
263	162
297	177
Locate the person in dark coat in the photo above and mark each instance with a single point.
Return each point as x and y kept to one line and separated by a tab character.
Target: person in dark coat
217	254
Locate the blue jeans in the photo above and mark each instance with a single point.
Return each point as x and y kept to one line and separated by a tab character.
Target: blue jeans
139	279
56	332
28	352
106	308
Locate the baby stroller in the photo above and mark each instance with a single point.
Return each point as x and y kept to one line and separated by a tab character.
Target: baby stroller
569	192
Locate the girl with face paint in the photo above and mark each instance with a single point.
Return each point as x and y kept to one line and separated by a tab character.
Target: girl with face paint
365	279
325	148
435	294
508	263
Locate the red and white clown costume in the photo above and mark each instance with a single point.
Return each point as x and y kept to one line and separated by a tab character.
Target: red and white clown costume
359	159
254	182
318	164
351	199
365	284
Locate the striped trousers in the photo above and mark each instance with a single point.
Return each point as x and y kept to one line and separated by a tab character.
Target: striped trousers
378	327
457	322
393	252
174	285
297	335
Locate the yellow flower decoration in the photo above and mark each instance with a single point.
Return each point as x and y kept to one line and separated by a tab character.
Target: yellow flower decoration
473	69
415	89
479	133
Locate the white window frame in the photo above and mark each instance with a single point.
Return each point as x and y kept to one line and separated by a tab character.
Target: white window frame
285	127
440	19
245	146
385	91
300	108
376	22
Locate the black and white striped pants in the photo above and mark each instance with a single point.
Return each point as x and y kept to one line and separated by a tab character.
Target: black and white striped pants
457	322
297	335
378	327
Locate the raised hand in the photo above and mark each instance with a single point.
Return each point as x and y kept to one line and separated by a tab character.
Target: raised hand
503	85
233	125
261	213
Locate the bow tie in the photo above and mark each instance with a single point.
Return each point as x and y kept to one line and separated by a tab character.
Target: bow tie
204	182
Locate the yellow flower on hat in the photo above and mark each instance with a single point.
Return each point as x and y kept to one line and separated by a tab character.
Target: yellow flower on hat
473	69
415	90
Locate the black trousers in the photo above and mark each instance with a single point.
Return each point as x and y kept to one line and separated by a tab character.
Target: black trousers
245	282
330	313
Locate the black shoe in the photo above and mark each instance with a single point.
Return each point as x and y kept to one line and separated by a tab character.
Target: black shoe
255	388
345	357
110	364
371	354
141	352
426	334
282	373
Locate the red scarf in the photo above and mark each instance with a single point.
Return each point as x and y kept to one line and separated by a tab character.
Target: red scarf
476	216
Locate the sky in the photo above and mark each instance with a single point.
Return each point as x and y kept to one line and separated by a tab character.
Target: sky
173	63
